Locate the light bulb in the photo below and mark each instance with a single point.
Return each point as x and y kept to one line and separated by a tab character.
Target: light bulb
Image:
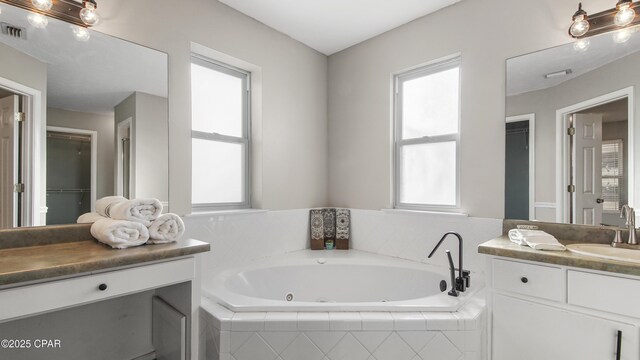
622	35
38	21
89	15
579	27
581	45
43	5
81	33
624	16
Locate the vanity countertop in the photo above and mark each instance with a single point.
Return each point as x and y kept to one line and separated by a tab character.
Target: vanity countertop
502	246
35	263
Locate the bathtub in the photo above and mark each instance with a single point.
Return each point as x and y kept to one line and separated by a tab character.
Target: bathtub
318	281
340	305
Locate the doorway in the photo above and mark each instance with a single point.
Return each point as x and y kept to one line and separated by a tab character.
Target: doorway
597	161
71	173
11	159
520	167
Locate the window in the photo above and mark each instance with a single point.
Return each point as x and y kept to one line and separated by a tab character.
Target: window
427	112
613	187
220	136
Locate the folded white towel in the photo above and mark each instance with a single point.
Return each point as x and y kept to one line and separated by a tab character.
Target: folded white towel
143	211
536	239
166	228
89	218
119	234
103	205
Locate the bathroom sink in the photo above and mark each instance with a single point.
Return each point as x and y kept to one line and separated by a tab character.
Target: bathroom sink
605	251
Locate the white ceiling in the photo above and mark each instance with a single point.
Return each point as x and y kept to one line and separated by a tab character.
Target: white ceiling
526	73
333	25
92	76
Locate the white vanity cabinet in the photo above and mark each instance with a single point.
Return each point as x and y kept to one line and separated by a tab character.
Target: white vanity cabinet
542	311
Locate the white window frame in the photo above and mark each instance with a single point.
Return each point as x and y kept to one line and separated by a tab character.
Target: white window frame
398	142
245	140
620	176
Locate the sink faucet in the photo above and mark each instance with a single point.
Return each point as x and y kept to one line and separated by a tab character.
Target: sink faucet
630	214
463	281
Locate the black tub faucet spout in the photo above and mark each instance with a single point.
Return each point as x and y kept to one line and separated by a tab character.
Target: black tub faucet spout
463	281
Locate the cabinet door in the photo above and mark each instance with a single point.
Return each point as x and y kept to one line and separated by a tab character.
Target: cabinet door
525	330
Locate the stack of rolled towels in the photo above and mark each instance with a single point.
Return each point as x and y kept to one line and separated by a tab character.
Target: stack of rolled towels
122	223
536	239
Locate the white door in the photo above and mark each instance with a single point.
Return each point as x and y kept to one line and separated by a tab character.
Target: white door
8	165
588	169
524	330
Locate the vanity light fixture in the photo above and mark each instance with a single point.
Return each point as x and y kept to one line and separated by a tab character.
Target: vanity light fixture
81	34
38	21
75	12
625	14
42	5
89	14
580	25
622	16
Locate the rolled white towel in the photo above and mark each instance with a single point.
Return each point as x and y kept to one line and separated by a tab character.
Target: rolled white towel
89	218
143	211
119	234
103	205
536	239
166	228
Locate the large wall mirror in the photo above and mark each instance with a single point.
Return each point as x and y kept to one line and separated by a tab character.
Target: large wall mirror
82	115
571	132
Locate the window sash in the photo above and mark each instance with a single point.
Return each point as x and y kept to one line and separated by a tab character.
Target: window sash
244	141
399	142
621	171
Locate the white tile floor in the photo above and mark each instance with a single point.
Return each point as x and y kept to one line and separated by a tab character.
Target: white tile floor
345	336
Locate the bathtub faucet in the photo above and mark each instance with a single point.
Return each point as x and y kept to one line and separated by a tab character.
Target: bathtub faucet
463	281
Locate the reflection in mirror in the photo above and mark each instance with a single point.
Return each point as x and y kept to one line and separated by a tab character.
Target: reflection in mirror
82	115
570	132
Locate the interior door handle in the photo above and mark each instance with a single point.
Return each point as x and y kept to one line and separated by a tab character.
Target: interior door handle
599	201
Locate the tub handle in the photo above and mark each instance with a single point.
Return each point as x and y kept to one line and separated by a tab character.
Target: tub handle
452	270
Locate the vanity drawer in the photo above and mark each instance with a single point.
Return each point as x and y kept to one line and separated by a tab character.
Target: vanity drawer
602	292
535	280
55	295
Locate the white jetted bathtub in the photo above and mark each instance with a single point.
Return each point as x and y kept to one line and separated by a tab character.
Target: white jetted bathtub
336	281
341	305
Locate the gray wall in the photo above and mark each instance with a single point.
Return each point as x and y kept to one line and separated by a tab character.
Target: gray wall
544	103
150	148
292	123
101	123
485	33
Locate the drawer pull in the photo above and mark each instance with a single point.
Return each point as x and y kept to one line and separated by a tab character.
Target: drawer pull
102	287
524	279
619	346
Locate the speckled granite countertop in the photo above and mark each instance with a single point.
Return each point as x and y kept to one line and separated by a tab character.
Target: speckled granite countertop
81	254
502	246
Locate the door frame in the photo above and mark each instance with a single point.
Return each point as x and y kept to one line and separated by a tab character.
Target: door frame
34	166
94	156
531	118
119	174
562	147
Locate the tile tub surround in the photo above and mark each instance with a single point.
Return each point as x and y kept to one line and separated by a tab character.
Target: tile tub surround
345	335
412	235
